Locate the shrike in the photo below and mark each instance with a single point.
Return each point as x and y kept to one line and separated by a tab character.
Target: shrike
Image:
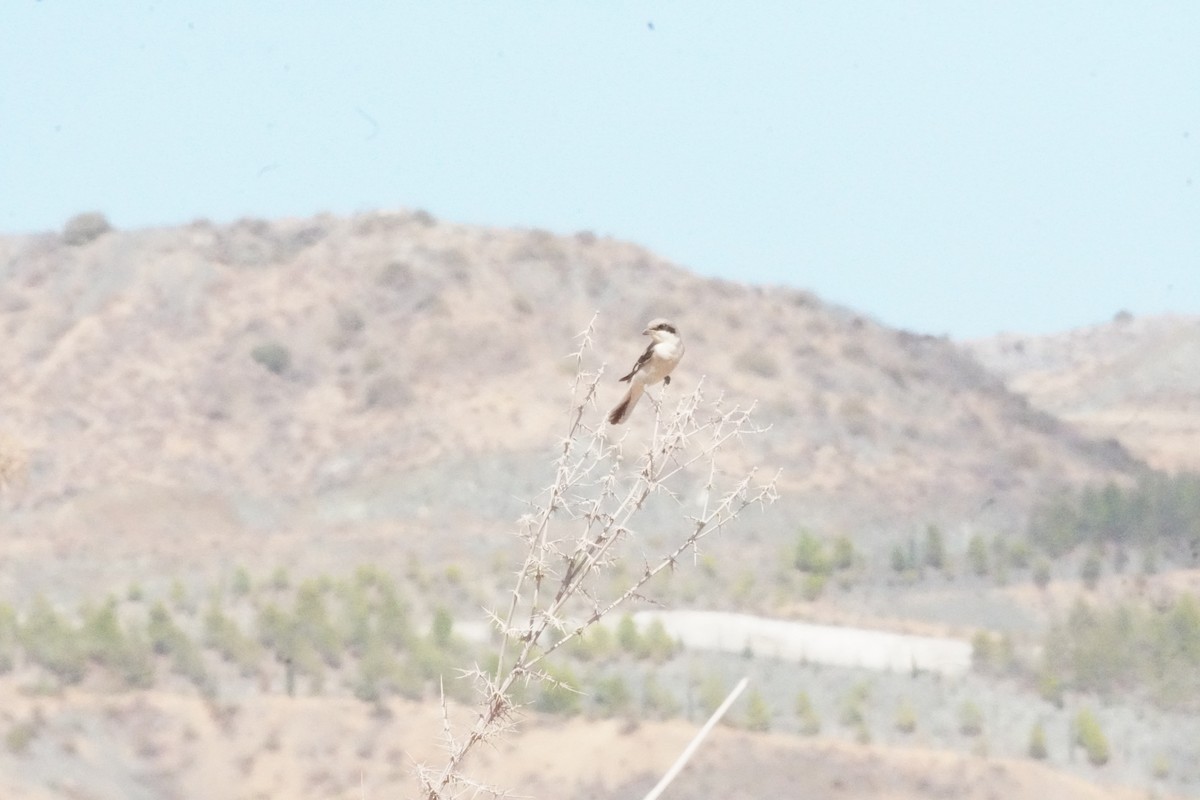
655	365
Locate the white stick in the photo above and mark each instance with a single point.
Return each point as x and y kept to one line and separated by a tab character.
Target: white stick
678	766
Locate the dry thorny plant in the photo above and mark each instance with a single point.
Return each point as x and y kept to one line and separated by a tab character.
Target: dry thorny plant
573	532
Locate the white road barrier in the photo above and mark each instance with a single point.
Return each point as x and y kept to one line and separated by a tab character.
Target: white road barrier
808	643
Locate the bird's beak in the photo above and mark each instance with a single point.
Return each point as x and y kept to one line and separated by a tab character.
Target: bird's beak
647	332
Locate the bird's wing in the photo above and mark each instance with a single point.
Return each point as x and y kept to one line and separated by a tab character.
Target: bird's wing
640	362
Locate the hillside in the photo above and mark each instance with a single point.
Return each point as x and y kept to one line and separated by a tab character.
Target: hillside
1133	380
187	384
219	427
154	744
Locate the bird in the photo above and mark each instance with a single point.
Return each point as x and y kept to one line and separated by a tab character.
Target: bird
654	365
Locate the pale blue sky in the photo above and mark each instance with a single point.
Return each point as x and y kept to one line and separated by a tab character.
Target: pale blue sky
958	168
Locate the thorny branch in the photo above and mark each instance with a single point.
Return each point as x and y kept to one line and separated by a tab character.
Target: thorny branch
596	497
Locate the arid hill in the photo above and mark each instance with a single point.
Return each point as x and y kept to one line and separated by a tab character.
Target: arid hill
1135	380
191	410
175	387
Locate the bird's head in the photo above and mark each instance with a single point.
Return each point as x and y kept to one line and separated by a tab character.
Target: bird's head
660	329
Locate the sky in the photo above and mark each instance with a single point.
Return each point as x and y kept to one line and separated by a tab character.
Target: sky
944	167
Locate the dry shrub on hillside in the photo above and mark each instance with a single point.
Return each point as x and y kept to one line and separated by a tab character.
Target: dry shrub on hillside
249	242
273	356
388	392
84	228
576	531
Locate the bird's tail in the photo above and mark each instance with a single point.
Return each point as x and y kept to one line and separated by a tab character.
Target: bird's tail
624	408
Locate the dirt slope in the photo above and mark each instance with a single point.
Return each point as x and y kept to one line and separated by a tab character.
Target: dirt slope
156	744
1135	380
